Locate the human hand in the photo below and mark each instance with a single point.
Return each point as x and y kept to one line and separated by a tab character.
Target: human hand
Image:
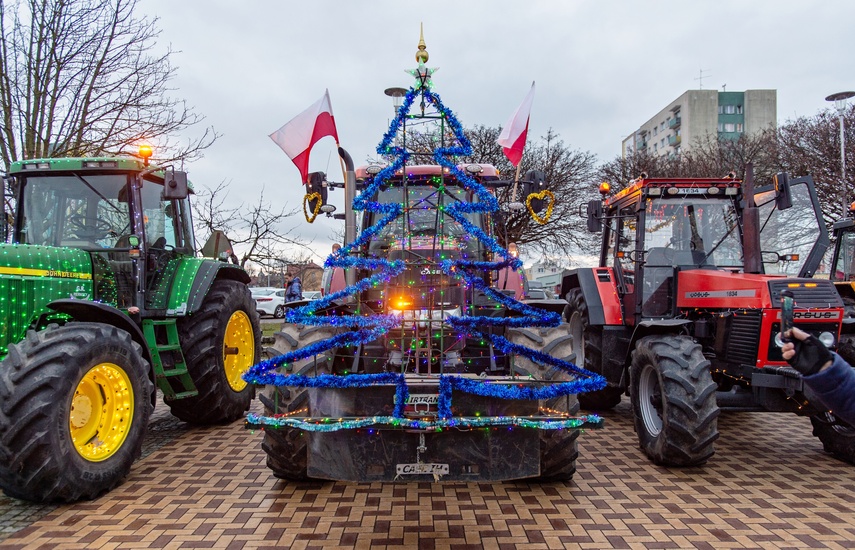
805	353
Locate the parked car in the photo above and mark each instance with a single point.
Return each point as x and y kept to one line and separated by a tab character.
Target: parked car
545	299
312	295
269	301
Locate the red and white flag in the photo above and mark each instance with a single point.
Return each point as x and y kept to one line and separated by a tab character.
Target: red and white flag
300	134
512	138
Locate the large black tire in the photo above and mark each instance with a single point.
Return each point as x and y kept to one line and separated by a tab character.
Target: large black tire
846	344
220	342
673	400
838	437
558	448
846	347
75	401
287	448
588	343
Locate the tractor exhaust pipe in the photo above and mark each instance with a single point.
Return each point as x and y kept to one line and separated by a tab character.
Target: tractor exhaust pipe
751	225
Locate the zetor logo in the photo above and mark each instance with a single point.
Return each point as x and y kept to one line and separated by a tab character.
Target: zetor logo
816	315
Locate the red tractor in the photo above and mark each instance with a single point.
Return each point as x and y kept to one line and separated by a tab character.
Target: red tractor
684	311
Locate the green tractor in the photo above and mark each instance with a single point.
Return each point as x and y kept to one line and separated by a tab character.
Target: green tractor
103	300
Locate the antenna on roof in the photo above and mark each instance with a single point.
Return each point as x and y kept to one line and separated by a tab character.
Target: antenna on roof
700	79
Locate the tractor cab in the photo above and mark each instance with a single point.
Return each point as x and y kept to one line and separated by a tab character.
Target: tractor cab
657	228
115	210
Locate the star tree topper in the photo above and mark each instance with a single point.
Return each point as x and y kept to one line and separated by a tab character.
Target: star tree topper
422	73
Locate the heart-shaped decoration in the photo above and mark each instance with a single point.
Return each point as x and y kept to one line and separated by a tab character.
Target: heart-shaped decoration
542	195
306	200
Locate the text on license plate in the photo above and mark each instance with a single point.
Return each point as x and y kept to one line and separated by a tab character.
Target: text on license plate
412	469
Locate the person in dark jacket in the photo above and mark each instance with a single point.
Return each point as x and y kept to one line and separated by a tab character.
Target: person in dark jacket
295	290
830	377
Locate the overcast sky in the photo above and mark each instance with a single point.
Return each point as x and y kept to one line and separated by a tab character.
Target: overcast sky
602	69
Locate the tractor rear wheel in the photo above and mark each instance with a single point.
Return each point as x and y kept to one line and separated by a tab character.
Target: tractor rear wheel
673	400
558	448
74	406
587	343
287	448
846	344
220	342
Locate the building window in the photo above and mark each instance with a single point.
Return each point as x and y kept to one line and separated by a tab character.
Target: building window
655	130
662	126
662	142
739	109
739	127
729	127
730	109
655	147
721	109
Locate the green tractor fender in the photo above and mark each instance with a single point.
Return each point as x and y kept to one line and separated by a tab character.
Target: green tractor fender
98	312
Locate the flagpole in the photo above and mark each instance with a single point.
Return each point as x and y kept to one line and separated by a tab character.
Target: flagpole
516	182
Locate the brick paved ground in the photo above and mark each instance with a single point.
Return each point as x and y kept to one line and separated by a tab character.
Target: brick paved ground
768	486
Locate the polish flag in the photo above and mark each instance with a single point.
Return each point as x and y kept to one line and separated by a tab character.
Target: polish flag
512	138
300	134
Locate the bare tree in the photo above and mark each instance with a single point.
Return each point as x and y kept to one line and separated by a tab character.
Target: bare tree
253	229
811	145
569	176
79	77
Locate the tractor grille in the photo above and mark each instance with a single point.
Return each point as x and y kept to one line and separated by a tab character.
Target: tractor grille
823	294
738	336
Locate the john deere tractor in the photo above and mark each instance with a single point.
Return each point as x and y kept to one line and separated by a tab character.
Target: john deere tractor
102	300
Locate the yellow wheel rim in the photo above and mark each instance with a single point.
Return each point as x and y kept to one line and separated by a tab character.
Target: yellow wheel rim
102	411
238	349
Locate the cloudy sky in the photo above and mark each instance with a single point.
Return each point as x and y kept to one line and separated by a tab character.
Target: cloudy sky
602	68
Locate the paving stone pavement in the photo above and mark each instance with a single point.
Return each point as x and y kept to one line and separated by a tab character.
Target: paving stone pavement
768	486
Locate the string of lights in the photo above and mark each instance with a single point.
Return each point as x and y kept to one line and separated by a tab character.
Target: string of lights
361	329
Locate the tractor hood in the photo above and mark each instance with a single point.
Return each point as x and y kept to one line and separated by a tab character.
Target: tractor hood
34	262
722	289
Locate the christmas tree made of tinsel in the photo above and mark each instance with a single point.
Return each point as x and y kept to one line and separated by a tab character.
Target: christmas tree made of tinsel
355	329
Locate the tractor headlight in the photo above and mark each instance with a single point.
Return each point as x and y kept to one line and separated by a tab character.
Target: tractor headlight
827	339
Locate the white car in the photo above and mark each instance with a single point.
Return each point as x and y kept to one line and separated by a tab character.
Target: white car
269	301
312	295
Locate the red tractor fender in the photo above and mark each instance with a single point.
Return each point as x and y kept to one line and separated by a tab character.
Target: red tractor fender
599	287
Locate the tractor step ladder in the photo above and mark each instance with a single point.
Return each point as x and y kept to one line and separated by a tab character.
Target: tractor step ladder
176	375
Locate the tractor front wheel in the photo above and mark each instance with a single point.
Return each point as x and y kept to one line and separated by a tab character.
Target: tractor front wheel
287	448
558	448
220	342
74	406
673	400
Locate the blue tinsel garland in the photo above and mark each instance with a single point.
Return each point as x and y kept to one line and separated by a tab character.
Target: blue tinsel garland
368	328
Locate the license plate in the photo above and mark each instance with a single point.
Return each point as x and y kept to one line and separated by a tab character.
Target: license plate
415	469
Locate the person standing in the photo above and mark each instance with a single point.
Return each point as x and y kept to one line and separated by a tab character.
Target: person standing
830	377
295	290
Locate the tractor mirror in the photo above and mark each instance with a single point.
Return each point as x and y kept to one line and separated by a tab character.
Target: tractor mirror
317	187
595	216
175	185
534	182
783	198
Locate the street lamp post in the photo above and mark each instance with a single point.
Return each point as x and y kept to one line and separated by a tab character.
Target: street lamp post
839	100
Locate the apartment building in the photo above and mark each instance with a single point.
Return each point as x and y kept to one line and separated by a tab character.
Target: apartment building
698	113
